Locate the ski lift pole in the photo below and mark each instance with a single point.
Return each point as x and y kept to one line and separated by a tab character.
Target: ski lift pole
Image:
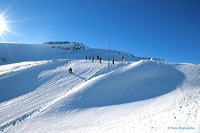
108	56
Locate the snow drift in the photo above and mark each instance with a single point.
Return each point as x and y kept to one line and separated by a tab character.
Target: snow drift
39	95
145	96
136	82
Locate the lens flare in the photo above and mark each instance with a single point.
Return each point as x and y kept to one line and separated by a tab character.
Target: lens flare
3	26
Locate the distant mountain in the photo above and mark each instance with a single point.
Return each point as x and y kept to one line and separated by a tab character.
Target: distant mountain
18	52
67	45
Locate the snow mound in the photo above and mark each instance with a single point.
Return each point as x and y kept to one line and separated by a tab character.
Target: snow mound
138	81
29	87
145	96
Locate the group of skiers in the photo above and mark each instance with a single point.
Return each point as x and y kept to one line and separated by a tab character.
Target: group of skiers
98	58
92	58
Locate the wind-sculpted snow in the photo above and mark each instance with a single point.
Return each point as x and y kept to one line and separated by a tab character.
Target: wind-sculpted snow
35	87
22	78
146	96
142	97
138	81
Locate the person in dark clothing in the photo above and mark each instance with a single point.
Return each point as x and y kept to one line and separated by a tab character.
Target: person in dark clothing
86	57
123	58
97	57
113	60
70	70
100	59
92	58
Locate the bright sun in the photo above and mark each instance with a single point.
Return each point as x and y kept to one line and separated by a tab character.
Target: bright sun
3	25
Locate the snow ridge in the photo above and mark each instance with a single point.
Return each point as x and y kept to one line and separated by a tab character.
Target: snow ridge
136	95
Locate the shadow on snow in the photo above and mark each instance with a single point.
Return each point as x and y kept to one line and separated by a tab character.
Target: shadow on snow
143	82
22	82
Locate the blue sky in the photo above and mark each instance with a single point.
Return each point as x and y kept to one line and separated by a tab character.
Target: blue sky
167	29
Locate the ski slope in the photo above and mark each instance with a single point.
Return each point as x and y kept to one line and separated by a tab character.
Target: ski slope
31	89
145	96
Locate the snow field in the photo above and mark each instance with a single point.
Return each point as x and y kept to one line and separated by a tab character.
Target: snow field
43	84
37	94
88	109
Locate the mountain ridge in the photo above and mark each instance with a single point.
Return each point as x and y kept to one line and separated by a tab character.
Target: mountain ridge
18	52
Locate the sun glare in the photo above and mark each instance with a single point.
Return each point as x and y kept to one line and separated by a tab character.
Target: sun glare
3	25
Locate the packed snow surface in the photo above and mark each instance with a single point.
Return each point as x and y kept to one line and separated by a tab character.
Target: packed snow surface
135	96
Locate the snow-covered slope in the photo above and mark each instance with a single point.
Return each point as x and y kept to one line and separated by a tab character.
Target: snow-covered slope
138	81
19	52
39	95
29	87
15	53
145	96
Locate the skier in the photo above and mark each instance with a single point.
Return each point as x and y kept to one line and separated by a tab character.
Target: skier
70	70
97	57
123	59
100	59
92	58
113	60
86	57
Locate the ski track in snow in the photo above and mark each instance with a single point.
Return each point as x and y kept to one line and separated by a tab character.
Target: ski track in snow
10	68
184	114
53	83
179	108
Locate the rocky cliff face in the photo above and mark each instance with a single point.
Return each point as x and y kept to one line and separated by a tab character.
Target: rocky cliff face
67	45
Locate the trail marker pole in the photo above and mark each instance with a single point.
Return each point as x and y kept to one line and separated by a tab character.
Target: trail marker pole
108	56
